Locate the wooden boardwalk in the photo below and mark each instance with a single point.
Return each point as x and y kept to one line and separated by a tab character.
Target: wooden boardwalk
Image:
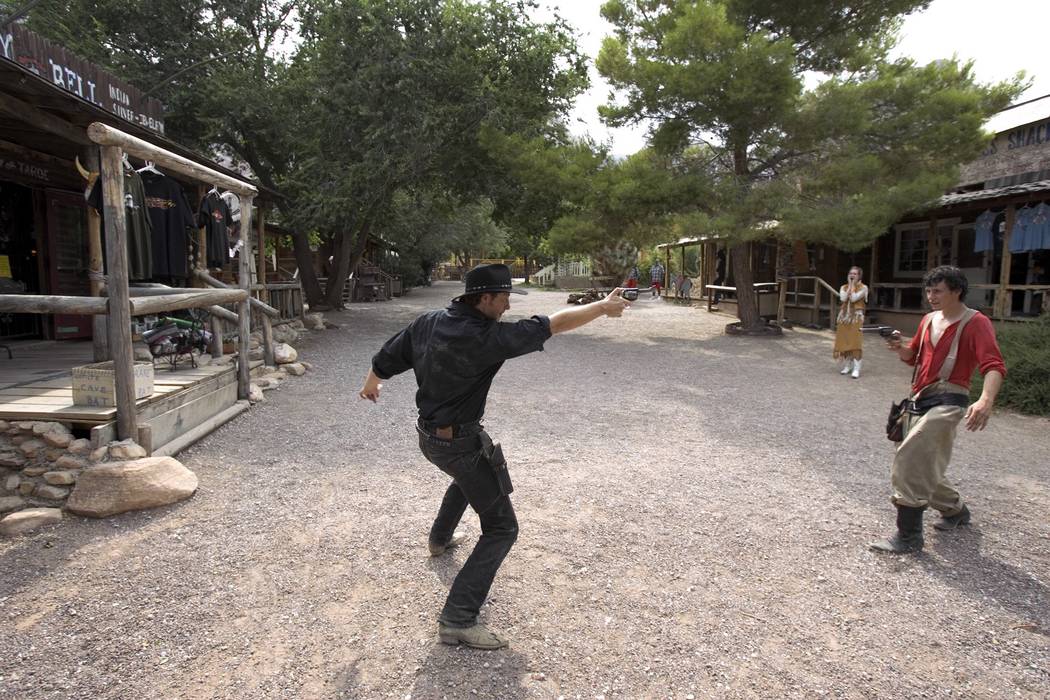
37	384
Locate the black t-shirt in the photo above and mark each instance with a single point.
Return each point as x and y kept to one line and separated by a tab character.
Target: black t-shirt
215	217
455	353
170	216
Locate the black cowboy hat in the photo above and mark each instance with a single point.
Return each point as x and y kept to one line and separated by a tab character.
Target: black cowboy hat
490	279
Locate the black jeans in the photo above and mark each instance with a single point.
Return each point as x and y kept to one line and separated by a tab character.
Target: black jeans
473	483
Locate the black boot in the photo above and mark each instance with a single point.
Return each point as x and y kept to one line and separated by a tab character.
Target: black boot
950	522
908	537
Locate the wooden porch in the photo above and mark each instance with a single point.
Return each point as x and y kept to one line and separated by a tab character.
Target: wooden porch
187	403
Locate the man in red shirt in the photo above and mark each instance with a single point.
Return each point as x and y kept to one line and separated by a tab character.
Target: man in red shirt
951	343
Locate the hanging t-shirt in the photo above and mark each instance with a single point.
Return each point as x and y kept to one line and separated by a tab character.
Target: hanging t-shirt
1019	234
234	203
983	235
170	216
214	217
139	235
1038	237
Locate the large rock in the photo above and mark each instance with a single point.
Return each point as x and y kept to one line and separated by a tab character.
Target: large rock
314	321
12	459
108	489
60	478
295	369
31	448
52	493
126	449
12	482
29	519
283	354
8	503
70	462
80	447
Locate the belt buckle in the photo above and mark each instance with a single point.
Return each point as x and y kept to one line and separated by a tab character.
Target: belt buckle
444	433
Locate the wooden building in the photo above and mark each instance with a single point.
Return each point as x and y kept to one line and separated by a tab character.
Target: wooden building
979	227
55	109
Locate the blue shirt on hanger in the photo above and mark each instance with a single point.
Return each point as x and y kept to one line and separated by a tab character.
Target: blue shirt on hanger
984	237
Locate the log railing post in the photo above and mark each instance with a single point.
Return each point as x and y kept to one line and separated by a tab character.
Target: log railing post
264	294
244	308
1003	297
112	174
99	329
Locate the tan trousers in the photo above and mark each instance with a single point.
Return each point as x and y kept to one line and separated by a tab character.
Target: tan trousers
919	466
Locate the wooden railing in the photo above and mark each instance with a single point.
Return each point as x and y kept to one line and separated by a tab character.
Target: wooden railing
120	305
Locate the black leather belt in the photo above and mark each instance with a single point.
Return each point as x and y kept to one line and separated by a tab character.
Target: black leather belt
448	432
921	406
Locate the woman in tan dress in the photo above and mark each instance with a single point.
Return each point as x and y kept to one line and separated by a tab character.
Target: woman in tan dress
848	337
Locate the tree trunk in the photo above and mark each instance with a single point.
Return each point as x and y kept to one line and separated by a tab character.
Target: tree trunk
307	275
349	251
333	293
526	259
747	309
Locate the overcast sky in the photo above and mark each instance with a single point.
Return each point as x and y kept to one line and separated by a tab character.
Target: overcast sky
1002	37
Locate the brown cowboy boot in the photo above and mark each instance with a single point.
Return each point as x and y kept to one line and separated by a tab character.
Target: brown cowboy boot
437	549
477	636
951	522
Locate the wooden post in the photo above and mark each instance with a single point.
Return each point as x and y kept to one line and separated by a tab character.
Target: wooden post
815	312
99	330
112	170
874	267
244	308
782	297
1003	300
264	293
202	236
933	246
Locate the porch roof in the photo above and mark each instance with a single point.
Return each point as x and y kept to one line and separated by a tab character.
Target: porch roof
1020	191
71	115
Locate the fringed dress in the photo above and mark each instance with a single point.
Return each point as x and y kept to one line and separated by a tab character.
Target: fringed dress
848	337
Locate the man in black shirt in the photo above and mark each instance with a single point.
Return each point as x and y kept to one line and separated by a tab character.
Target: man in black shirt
455	353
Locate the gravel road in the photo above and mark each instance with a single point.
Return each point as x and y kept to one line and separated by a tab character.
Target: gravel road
694	512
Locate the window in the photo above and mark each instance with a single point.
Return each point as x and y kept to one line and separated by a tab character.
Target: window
911	255
912	246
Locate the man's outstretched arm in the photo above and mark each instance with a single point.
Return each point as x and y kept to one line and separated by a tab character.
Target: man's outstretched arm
568	319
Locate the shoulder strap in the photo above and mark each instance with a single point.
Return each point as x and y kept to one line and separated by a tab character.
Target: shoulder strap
923	325
953	351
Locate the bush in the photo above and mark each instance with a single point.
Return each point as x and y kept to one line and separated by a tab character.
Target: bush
1026	350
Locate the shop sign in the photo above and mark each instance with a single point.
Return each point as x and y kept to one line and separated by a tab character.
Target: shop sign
24	169
80	77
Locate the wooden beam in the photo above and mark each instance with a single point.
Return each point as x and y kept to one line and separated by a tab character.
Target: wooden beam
219	284
1003	296
105	135
144	306
99	328
244	277
38	118
120	309
873	272
49	304
216	311
933	245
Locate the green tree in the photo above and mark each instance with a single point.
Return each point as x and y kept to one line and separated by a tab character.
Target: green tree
398	92
838	162
214	64
626	206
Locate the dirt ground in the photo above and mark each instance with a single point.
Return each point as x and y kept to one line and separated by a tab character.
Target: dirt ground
694	512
